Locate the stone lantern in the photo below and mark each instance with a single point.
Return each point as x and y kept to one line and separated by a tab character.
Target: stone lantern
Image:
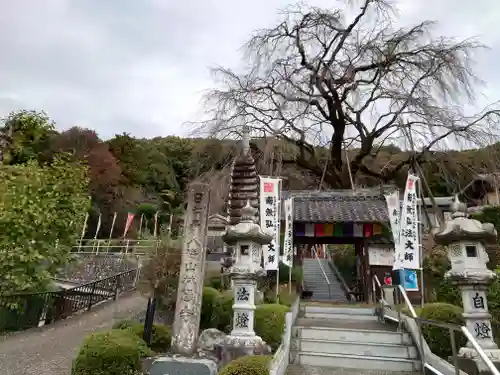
465	239
247	237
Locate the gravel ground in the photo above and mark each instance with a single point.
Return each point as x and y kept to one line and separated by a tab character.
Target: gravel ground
50	350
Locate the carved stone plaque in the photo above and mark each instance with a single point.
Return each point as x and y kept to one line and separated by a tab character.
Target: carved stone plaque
189	296
181	366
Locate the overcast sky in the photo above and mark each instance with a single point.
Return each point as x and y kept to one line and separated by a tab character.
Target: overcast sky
140	66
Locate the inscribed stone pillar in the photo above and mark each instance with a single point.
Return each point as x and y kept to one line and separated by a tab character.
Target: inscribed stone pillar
190	291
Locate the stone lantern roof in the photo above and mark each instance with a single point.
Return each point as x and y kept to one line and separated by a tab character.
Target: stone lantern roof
247	229
462	228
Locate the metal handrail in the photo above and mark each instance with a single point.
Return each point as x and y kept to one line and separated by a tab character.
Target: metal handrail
324	273
480	351
339	276
451	327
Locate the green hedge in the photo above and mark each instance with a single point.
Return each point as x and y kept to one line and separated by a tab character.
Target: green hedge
210	298
161	336
222	312
285	270
115	352
250	365
270	323
438	338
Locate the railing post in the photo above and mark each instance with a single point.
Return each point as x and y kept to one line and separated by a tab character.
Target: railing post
91	296
454	351
421	339
117	286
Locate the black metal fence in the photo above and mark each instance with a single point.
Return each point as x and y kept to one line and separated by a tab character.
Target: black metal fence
27	310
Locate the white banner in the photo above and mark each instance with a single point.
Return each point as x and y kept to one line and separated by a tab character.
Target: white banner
409	235
278	222
288	241
269	216
394	209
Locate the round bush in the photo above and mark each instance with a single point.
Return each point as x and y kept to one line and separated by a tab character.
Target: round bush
161	336
438	338
250	365
210	297
286	299
124	324
215	282
222	313
270	323
115	352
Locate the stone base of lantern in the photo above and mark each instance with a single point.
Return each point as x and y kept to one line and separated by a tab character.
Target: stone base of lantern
470	362
237	346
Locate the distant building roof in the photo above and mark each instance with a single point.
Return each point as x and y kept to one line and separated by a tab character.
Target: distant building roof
362	206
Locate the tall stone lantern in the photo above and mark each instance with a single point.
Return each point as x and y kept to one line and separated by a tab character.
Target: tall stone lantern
465	239
247	237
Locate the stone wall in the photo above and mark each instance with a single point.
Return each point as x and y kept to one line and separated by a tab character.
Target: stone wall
91	267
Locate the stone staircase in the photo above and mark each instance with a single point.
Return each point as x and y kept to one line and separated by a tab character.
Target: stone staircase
349	340
315	281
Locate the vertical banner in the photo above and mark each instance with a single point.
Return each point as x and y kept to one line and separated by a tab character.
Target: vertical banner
112	226
155	228
409	241
288	241
128	224
269	196
98	226
278	223
394	209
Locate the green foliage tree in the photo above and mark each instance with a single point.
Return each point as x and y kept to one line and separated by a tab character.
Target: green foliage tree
24	135
42	210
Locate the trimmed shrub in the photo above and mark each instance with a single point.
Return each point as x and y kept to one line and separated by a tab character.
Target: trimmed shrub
124	324
270	323
284	271
438	338
250	365
215	282
286	298
222	313
210	297
161	336
115	352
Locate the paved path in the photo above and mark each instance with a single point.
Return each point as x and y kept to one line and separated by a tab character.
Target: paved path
50	350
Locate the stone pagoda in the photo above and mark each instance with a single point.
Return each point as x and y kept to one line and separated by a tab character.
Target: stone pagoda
465	239
246	237
244	182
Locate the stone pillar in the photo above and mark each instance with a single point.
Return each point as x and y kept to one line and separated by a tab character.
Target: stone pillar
190	292
244	307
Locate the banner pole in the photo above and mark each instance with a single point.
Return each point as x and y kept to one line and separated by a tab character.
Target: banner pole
420	235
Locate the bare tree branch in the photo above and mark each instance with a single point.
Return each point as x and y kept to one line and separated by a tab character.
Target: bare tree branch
317	80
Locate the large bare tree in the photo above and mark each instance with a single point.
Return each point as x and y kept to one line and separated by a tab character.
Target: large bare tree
321	78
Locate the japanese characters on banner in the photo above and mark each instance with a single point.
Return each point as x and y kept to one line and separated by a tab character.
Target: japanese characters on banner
269	216
409	241
288	241
394	209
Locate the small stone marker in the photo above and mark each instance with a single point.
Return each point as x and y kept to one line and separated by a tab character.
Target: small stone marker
182	366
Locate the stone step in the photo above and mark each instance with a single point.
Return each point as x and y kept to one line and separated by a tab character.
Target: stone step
339	310
348	331
379	349
354	361
320	315
316	370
